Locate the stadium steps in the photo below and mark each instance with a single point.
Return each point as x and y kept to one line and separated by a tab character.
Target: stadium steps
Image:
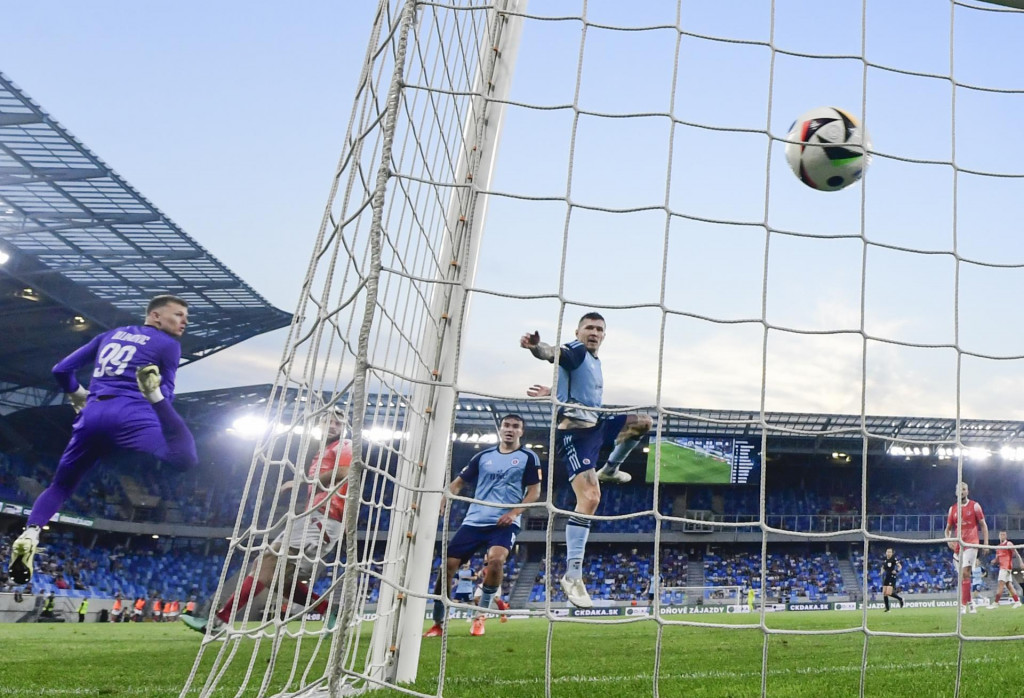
137	495
851	580
30	486
519	597
695	573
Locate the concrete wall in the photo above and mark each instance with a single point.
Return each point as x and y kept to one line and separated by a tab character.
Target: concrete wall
65	607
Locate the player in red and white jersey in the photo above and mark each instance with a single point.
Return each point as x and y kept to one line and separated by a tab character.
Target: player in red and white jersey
1005	554
325	473
312	537
964	521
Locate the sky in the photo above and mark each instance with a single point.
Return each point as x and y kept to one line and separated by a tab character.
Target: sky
230	117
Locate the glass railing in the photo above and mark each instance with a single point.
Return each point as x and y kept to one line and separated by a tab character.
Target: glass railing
932	525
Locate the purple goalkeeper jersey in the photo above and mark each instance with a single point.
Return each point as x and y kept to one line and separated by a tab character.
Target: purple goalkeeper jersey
116	355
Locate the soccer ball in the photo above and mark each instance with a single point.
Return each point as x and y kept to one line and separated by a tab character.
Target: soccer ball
827	148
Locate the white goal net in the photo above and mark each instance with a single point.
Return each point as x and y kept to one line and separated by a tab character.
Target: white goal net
508	168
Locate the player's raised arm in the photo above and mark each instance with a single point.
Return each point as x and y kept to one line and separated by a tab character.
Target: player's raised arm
531	342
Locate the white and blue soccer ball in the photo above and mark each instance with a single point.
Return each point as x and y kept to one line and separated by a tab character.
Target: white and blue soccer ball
828	148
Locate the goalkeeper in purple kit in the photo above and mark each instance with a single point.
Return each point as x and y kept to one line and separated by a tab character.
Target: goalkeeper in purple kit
127	406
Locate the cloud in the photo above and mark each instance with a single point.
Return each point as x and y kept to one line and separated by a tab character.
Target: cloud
708	365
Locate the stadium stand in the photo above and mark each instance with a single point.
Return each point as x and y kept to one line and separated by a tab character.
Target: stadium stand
124	489
802	494
67	567
619	575
928	570
790	576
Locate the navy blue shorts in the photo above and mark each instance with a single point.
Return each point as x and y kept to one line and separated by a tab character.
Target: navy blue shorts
579	448
468	539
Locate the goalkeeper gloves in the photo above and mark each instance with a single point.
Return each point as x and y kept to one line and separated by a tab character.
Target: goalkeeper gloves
78	398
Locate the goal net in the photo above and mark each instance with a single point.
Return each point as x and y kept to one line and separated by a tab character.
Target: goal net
508	168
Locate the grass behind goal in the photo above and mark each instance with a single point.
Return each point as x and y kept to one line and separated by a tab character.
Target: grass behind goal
588	659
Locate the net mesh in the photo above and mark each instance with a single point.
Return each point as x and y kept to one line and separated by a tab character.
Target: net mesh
641	173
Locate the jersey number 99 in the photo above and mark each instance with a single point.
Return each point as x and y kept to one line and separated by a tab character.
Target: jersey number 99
113	359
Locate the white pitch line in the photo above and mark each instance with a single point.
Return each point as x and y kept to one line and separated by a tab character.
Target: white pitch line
713	674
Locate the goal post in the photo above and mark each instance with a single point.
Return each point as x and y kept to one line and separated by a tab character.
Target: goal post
376	337
399	628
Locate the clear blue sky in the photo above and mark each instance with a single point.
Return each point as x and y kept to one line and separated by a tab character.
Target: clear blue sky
230	116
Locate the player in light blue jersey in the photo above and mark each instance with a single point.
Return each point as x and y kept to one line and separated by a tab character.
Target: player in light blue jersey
582	431
506	474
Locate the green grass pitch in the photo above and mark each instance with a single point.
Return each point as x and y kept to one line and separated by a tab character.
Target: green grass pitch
680	464
587	658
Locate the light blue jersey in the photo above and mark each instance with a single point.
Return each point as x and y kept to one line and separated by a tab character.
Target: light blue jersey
501	478
465	583
580	381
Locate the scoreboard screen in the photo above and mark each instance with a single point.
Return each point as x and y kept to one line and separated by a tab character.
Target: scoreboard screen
702	460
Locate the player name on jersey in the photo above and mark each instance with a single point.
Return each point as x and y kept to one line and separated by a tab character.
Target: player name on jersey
130	337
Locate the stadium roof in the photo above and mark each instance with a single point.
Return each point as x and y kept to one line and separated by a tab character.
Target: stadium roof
81	251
